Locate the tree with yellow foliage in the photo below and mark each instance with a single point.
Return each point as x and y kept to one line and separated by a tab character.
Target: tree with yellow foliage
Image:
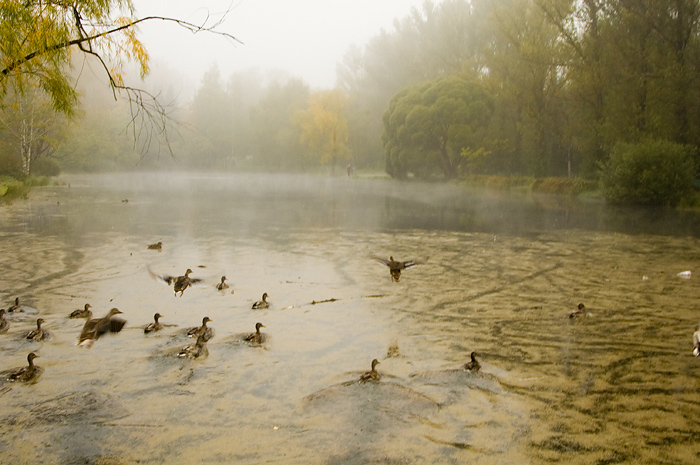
39	37
324	127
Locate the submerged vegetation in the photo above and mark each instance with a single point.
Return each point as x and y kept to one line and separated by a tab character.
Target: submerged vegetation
541	89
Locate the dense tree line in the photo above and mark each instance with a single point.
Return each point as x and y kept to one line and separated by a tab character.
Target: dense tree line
526	87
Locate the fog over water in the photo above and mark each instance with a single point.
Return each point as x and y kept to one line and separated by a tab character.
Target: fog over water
500	274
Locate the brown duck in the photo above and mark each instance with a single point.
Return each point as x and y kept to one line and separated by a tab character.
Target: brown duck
38	334
473	364
16	308
222	285
82	313
155	326
95	327
180	283
203	330
395	267
196	350
28	373
157	246
256	337
371	375
261	303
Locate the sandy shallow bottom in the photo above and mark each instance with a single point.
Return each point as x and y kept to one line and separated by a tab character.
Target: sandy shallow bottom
617	386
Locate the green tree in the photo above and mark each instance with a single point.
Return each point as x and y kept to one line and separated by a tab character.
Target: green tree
324	126
428	126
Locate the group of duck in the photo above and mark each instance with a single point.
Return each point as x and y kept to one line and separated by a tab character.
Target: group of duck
112	323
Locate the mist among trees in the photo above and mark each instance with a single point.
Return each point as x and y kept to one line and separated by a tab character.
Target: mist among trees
508	87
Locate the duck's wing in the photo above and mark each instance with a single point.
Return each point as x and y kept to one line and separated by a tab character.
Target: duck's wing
383	261
164	278
111	325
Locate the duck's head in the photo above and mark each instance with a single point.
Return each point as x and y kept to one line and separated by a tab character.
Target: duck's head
39	322
473	356
581	306
188	272
156	316
264	297
17	301
375	362
88	306
258	326
223	278
31	357
114	311
391	258
206	320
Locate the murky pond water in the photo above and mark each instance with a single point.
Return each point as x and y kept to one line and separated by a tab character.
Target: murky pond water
502	274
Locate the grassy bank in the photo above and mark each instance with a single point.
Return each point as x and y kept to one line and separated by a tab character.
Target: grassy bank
11	188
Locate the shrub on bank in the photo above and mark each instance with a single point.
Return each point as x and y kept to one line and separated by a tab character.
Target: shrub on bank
12	188
653	172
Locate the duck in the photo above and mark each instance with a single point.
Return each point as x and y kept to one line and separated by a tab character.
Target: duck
261	303
196	350
696	341
38	334
157	246
396	267
82	313
222	285
256	337
371	375
180	283
155	326
28	373
580	311
16	308
203	330
472	365
4	323
96	327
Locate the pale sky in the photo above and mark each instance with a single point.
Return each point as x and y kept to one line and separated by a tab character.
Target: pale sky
307	38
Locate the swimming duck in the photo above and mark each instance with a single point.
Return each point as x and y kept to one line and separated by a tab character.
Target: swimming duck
395	267
157	246
155	326
580	311
82	313
96	327
261	303
4	324
196	350
256	337
180	283
371	375
38	334
473	365
16	308
222	285
28	373
696	341
203	330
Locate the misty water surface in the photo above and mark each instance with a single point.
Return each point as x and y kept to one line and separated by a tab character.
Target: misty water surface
501	275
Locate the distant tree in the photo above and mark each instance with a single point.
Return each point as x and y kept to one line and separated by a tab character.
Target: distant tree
428	126
324	126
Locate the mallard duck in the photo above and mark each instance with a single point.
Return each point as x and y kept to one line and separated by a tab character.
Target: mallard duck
96	327
16	308
155	326
256	337
203	330
28	373
696	341
222	285
180	283
261	303
580	311
4	323
82	313
196	350
395	267
472	365
371	375
157	246
38	334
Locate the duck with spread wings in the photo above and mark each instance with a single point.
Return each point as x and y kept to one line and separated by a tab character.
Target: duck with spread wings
396	267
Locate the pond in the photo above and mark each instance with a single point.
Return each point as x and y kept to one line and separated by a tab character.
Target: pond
498	273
